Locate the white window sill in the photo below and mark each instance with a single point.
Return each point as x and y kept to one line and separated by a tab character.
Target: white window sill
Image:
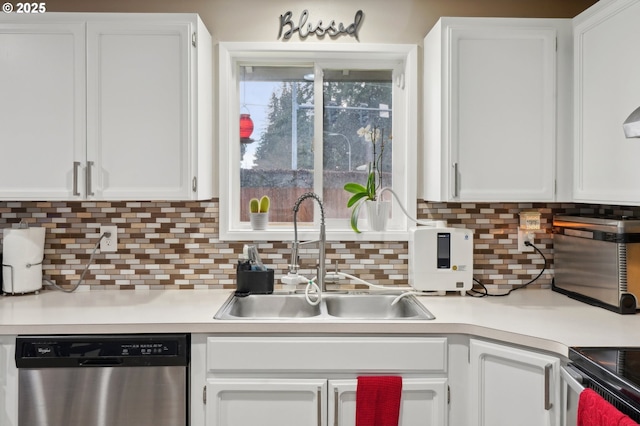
306	234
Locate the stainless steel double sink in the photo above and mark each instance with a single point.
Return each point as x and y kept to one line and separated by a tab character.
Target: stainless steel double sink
333	306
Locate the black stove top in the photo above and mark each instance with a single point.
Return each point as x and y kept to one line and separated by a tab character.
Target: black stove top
623	362
615	368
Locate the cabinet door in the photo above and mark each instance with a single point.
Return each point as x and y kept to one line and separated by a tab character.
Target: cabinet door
42	110
490	106
8	382
423	403
503	107
138	80
607	90
512	386
266	402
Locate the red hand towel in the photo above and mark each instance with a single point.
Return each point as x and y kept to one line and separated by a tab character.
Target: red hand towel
378	401
593	410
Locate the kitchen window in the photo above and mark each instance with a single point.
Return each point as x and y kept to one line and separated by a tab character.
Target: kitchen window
311	107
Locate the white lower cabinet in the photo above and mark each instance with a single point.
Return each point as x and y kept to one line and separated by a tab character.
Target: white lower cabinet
423	402
304	380
266	402
511	386
297	381
8	382
299	402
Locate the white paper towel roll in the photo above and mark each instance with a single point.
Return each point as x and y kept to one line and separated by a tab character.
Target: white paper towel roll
23	250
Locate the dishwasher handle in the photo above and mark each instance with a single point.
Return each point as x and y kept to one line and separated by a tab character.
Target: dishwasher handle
100	362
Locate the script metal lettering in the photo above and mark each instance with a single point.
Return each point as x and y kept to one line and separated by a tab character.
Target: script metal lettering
288	28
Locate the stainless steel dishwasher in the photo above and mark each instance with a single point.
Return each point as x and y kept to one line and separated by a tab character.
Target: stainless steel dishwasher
103	380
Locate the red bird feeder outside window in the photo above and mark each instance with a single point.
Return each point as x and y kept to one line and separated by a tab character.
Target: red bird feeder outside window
246	128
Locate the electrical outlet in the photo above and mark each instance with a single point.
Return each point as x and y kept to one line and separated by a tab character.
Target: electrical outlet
110	243
525	235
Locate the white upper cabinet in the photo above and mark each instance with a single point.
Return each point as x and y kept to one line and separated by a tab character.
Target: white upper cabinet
141	130
142	84
490	109
42	109
606	90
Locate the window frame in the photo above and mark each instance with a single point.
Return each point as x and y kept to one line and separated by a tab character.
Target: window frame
401	58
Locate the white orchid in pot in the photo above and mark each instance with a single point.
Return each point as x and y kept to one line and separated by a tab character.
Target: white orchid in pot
378	211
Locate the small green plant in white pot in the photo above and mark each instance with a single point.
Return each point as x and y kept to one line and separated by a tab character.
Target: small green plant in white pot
259	212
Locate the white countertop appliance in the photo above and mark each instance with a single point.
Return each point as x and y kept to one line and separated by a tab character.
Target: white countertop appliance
597	260
23	254
441	259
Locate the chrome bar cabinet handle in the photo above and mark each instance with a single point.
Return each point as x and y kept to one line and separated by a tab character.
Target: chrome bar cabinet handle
319	406
336	401
76	166
547	387
89	183
456	194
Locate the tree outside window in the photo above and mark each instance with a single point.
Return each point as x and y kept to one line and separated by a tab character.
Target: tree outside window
280	160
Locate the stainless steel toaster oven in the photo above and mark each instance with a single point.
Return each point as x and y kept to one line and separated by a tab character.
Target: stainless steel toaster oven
597	260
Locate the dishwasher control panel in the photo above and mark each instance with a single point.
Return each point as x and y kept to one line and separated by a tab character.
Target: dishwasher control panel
101	350
137	349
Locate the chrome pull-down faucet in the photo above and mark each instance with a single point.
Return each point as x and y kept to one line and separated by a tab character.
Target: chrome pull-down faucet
293	267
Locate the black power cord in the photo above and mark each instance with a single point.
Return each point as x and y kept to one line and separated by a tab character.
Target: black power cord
485	293
85	270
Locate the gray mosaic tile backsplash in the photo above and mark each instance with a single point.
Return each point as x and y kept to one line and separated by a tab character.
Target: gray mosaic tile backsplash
167	245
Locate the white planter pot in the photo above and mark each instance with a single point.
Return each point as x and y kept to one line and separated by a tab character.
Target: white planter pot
259	221
377	214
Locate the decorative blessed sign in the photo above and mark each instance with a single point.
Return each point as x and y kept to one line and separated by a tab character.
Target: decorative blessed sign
304	28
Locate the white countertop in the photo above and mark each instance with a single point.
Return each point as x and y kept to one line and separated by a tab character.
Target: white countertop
536	318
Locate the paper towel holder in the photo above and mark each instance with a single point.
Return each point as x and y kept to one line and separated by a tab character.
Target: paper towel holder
22	260
12	291
21	225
